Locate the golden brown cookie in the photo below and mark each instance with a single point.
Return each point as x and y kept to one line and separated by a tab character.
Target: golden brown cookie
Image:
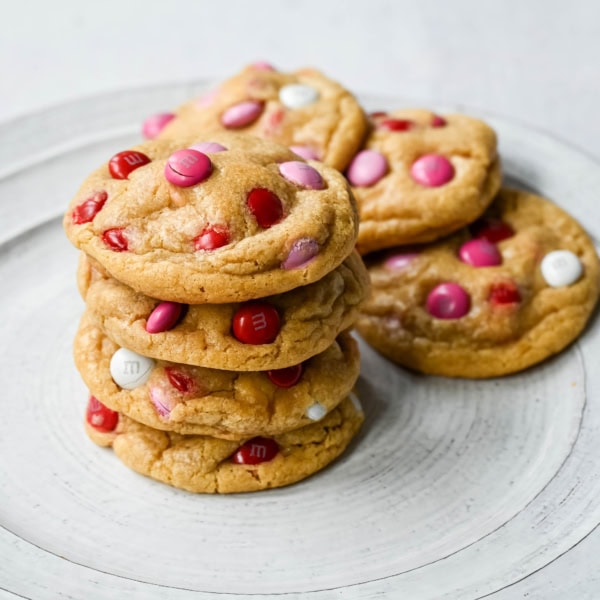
276	332
205	224
210	465
224	404
421	176
516	287
305	110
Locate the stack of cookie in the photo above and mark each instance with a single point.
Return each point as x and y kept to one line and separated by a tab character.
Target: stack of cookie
220	280
468	280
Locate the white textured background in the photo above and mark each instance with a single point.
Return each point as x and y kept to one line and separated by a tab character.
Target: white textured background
533	60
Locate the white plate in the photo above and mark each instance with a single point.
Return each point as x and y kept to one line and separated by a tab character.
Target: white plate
454	489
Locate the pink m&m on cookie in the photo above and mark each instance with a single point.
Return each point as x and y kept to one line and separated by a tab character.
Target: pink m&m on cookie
448	301
256	323
432	170
438	121
187	167
367	168
397	262
121	165
301	174
305	152
164	317
154	124
480	253
242	114
302	252
208	147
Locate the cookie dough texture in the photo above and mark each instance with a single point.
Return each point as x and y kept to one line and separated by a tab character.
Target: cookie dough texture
224	404
491	339
161	221
311	318
397	210
333	126
203	464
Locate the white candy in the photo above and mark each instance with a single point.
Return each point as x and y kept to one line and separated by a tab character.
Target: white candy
561	268
356	402
316	412
130	369
297	95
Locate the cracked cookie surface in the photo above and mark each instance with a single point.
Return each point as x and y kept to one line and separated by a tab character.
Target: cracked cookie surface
226	218
515	288
420	176
209	465
302	108
310	318
224	404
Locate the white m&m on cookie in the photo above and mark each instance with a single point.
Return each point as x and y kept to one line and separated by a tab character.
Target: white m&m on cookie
297	95
561	268
130	369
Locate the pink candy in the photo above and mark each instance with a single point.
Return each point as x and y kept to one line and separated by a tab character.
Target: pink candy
302	252
187	167
153	125
480	253
207	99
367	168
164	317
242	114
305	152
208	147
397	262
432	170
448	301
302	174
161	400
262	65
438	121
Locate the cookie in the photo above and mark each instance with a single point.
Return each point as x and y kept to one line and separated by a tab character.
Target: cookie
513	289
276	332
232	219
224	404
305	110
210	465
421	176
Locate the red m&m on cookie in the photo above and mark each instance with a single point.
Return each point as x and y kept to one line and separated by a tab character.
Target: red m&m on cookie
492	230
265	206
256	451
180	381
212	237
504	292
395	124
86	211
256	323
122	164
287	377
115	239
101	417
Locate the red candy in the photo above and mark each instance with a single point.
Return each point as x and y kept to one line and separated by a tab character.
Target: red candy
287	377
505	292
492	230
211	238
438	121
180	381
256	451
265	206
86	211
396	124
115	239
256	323
101	417
123	163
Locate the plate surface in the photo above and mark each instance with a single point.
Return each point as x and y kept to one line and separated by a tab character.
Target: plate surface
454	489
